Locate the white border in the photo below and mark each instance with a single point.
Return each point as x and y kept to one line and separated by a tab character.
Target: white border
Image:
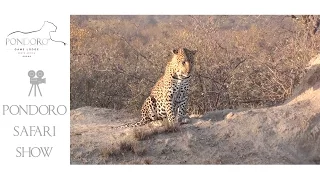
18	9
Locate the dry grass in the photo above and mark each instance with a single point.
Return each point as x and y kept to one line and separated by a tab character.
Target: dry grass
131	142
128	144
145	133
242	61
147	161
109	151
169	127
140	134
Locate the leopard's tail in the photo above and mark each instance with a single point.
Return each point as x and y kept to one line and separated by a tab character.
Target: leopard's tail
128	125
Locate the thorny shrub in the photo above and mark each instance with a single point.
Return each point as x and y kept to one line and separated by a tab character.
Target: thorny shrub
242	61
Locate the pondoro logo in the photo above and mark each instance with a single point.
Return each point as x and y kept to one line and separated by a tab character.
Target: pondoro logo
28	43
25	41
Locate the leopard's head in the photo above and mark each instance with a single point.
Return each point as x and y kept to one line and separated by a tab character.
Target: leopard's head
181	64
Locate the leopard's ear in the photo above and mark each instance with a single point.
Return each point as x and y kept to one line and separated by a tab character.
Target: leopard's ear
194	52
175	51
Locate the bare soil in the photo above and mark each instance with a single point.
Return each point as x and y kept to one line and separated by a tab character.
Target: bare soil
285	134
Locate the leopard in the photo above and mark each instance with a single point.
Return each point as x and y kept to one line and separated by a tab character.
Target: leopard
169	96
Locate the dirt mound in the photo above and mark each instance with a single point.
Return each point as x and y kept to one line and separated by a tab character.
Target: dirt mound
286	134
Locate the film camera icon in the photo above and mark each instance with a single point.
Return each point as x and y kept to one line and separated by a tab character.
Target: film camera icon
36	81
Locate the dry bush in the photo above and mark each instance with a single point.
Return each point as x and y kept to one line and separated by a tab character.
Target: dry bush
143	133
242	61
109	151
146	133
147	161
130	144
169	127
127	144
140	134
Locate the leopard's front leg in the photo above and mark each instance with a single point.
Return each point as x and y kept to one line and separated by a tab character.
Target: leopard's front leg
182	112
181	104
169	107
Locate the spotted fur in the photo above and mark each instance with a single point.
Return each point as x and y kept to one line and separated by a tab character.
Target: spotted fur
169	97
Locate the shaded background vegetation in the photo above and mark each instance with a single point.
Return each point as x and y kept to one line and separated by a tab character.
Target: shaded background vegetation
242	61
